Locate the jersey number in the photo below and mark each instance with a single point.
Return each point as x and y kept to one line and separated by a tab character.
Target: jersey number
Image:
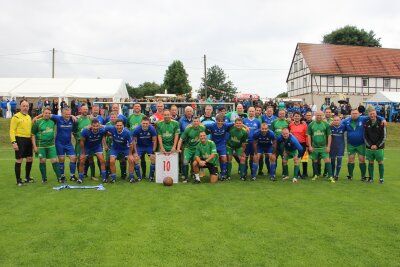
167	165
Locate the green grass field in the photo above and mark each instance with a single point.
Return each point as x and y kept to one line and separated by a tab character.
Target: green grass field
232	223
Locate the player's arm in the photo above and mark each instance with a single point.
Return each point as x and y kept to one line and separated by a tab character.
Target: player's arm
154	140
297	144
104	141
255	142
13	130
160	142
178	148
309	142
41	116
33	139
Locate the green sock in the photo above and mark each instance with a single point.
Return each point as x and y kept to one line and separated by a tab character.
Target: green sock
363	169
92	169
350	167
315	168
242	169
229	169
285	170
328	167
381	170
42	168
371	170
185	170
56	168
296	171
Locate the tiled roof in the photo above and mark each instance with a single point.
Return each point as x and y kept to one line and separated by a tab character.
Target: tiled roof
351	60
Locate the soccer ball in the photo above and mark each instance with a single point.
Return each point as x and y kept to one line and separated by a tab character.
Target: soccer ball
168	181
153	120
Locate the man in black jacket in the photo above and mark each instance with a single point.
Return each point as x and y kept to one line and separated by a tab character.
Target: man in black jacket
375	137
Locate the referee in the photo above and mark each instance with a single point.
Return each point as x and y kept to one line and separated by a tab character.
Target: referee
20	135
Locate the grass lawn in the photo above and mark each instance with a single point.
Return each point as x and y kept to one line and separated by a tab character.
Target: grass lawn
233	223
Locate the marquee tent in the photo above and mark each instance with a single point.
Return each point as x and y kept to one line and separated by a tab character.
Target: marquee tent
386	98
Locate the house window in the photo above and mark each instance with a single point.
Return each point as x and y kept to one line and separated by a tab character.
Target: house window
295	67
365	82
301	65
386	83
292	85
305	82
328	101
330	81
345	81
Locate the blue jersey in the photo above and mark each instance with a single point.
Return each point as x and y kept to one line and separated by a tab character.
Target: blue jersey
253	124
264	140
268	120
120	141
337	144
184	122
144	138
100	119
355	129
291	144
120	117
64	129
219	135
93	140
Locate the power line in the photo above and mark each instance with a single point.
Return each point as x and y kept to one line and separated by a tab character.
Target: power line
24	53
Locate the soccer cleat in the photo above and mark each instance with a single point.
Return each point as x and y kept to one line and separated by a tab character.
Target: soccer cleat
315	178
44	181
73	178
139	179
105	180
285	177
294	180
228	178
332	180
185	181
29	180
336	178
20	183
132	180
151	179
381	181
94	178
79	181
349	178
113	181
370	180
364	179
243	178
61	180
197	181
253	178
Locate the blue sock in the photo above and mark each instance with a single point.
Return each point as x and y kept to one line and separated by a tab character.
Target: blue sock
338	165
61	168
137	170
81	176
131	175
72	168
273	169
152	170
223	168
254	169
113	176
103	174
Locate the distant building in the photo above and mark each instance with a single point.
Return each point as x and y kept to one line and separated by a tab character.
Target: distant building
327	73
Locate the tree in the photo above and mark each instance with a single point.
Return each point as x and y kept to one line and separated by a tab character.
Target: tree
176	79
144	89
282	95
351	35
218	84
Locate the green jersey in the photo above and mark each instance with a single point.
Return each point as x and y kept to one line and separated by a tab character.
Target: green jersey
329	120
278	125
191	135
109	138
79	125
203	151
319	132
134	120
168	130
233	115
44	132
237	137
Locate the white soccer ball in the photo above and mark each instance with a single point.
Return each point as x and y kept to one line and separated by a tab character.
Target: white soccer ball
153	119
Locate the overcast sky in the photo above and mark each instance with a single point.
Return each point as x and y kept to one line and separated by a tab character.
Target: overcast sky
236	35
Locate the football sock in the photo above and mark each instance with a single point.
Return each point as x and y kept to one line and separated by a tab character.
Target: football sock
315	168
381	170
61	168
242	169
223	168
28	168
273	169
17	169
42	168
305	168
56	169
285	170
254	169
152	169
328	167
185	170
229	169
350	167
72	168
371	170
137	171
268	164
143	165
113	176
92	169
363	169
296	171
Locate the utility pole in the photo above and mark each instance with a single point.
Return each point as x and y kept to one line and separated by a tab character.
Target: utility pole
205	76
52	72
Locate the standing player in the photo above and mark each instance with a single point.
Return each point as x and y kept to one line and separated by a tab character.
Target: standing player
236	145
108	142
299	130
96	114
337	146
167	133
277	126
91	144
144	142
219	134
115	108
20	136
319	144
269	116
43	143
253	124
292	148
121	142
191	138
174	113
374	137
159	114
239	113
264	143
206	157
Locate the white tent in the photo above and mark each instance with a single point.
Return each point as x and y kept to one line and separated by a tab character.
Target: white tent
385	97
63	88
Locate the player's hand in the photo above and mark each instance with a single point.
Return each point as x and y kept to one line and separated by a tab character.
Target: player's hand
35	149
162	149
15	147
310	148
202	163
384	123
284	154
106	148
374	147
82	157
177	150
172	150
328	149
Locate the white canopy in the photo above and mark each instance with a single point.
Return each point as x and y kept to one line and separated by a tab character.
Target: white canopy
385	97
48	87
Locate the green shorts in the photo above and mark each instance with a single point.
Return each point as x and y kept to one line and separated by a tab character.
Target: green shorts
291	154
230	151
47	152
352	150
189	154
319	153
372	155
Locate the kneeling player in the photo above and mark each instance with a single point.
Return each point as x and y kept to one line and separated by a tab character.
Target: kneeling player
292	148
264	142
206	157
144	142
90	144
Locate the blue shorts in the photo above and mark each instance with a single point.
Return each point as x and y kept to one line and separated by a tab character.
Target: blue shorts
336	152
90	151
144	150
221	150
119	153
65	149
249	149
264	149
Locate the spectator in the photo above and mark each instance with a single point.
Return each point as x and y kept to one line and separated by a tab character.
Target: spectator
13	106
